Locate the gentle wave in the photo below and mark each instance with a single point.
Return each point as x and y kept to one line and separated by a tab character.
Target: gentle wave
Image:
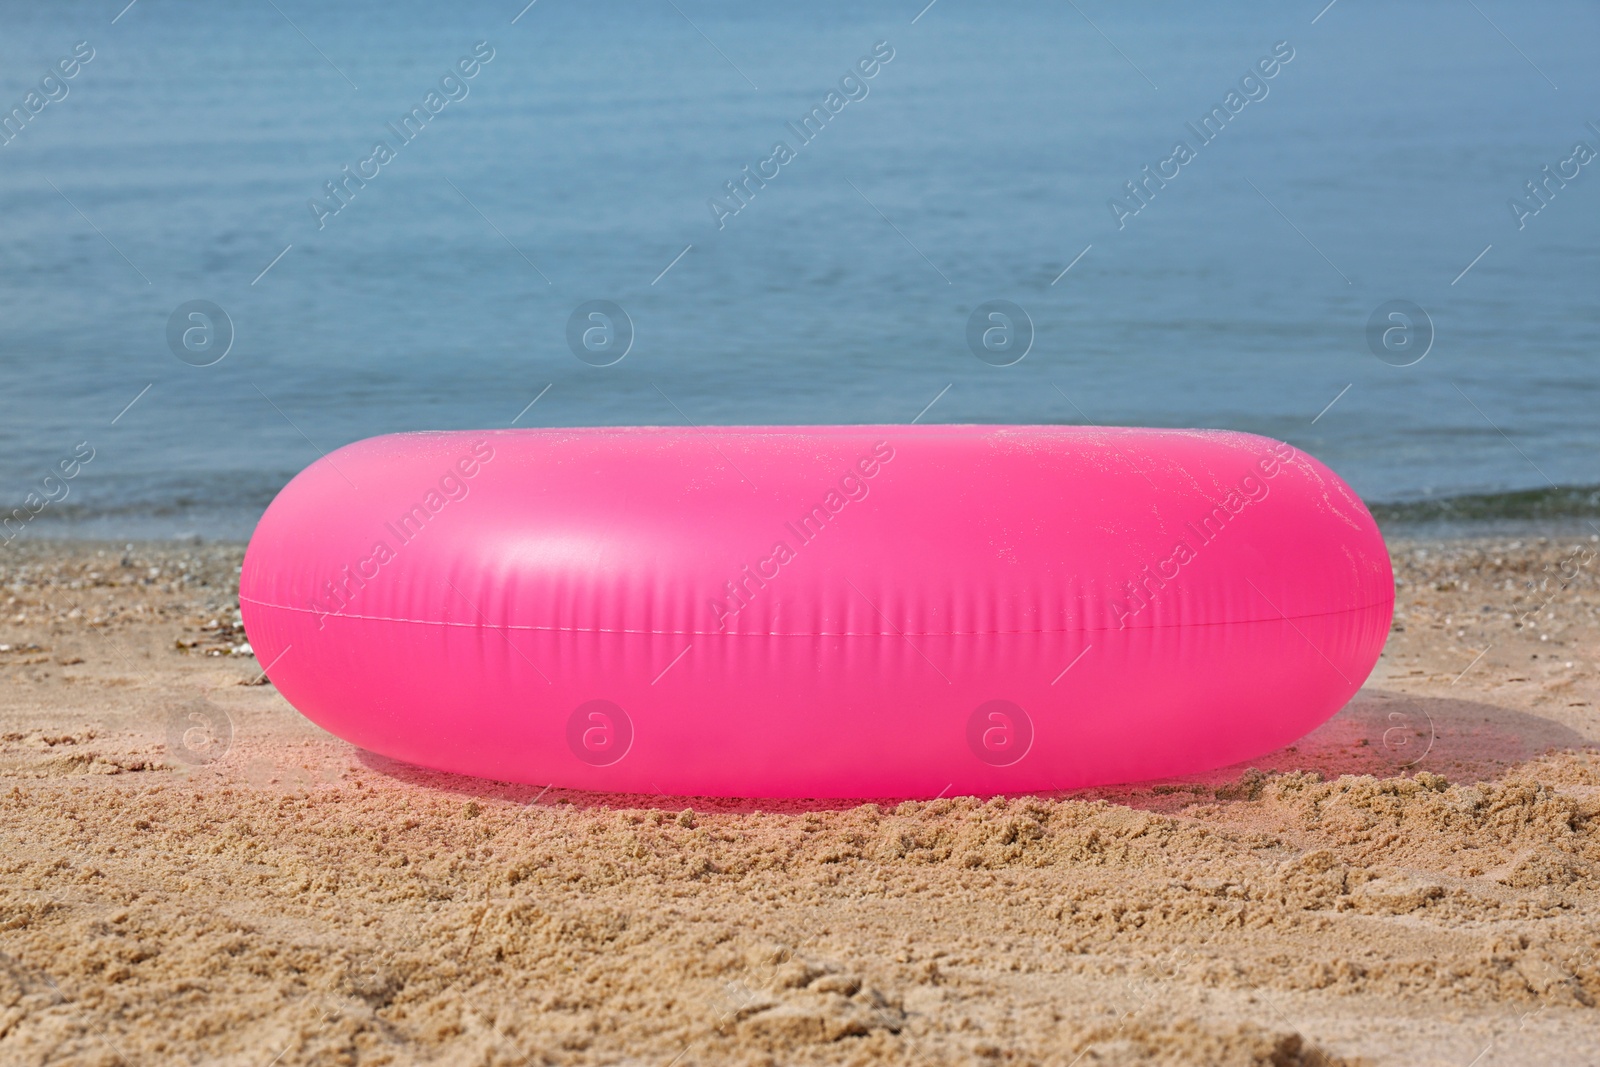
1550	503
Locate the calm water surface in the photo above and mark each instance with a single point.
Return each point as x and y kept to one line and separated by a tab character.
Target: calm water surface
977	164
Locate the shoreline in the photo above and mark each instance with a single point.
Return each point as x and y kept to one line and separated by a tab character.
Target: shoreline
197	873
1566	510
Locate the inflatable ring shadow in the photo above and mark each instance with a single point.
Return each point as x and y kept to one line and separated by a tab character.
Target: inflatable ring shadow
1380	732
1385	734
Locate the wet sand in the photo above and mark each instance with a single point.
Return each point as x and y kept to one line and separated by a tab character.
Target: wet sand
192	873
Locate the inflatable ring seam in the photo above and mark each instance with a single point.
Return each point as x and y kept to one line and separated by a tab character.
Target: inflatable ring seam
483	624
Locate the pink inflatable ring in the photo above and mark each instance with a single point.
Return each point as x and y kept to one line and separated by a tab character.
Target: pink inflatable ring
858	611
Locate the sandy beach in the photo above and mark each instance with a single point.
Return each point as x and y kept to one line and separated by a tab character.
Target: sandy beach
192	873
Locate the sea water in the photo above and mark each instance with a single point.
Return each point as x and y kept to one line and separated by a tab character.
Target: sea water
211	273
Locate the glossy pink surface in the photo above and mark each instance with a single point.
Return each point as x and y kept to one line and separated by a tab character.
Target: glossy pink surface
818	611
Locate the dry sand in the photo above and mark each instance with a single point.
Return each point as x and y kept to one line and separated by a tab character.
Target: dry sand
1418	882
